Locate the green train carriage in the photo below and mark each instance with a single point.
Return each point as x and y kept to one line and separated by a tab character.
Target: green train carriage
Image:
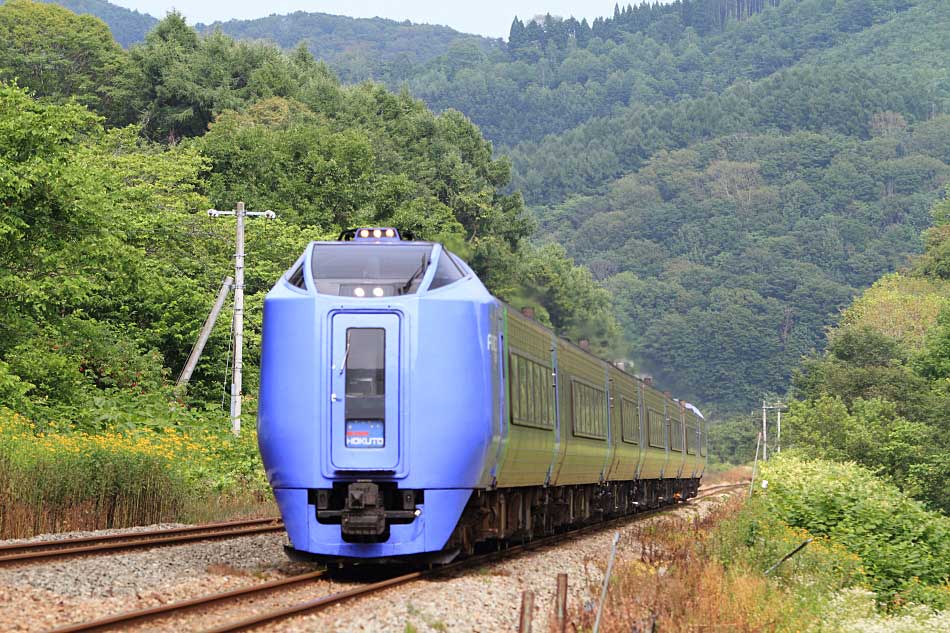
581	440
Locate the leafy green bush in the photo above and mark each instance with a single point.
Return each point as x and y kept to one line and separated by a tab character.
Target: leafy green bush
905	549
755	538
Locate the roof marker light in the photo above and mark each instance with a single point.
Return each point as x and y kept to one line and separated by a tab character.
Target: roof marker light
369	233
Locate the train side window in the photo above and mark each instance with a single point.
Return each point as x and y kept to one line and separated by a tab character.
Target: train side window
691	440
523	387
630	421
535	398
655	429
590	411
676	436
532	392
446	272
513	383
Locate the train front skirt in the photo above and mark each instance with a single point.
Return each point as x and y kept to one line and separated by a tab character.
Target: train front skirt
426	535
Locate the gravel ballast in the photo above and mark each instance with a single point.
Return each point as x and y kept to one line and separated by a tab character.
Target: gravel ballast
487	598
40	596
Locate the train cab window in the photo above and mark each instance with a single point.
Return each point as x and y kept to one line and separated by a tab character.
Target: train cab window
369	270
630	421
365	362
365	366
296	277
446	272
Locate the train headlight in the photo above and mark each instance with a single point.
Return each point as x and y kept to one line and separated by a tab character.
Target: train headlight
377	292
364	233
377	233
390	233
359	292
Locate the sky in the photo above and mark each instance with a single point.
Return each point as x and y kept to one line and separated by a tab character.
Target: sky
491	18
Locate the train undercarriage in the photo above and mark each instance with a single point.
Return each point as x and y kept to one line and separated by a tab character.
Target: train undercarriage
524	513
493	516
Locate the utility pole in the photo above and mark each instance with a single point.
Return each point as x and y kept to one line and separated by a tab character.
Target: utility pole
766	407
205	333
779	443
238	322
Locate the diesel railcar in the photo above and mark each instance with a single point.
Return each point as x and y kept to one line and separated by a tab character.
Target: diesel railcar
407	413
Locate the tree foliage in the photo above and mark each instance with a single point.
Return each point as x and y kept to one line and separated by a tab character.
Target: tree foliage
128	26
62	56
880	394
108	263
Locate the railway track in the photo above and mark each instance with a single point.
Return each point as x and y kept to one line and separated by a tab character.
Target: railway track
714	490
43	550
133	617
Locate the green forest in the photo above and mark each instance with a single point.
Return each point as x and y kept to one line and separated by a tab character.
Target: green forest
121	237
734	174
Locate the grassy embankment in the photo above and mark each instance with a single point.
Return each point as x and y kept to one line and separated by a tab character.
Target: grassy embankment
56	477
879	561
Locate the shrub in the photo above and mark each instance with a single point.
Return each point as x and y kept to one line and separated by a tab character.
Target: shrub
904	547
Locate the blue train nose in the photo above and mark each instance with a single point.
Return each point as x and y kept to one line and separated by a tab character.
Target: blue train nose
365	416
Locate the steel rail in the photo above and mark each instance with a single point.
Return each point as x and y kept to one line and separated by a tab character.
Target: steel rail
156	612
712	490
325	601
156	541
328	600
34	545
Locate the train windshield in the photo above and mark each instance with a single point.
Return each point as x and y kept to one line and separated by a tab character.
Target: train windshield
369	270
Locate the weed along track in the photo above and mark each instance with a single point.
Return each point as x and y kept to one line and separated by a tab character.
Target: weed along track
306	593
42	550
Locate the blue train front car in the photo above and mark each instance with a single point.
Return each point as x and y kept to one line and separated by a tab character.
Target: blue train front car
378	378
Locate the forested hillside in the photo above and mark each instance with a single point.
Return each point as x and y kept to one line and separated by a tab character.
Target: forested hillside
880	395
733	179
726	260
734	173
107	261
357	48
127	26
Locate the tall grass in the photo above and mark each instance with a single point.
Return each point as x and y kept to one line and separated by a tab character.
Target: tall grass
705	574
94	488
68	480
